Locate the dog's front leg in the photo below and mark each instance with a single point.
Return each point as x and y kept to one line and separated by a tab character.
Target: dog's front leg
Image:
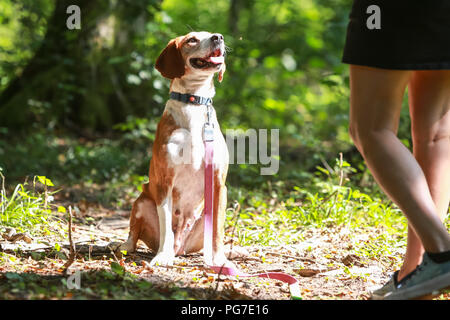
166	253
220	204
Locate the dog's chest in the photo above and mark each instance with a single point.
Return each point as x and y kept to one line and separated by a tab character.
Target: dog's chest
185	146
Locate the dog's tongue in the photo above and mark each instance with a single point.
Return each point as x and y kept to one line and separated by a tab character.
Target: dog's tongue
217	60
216	57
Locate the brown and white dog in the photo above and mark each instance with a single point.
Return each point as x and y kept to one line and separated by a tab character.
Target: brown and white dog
167	216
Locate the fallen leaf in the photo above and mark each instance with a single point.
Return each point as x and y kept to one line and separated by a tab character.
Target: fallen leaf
352	259
308	272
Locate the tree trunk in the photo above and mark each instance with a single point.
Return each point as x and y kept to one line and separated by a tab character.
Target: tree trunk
233	16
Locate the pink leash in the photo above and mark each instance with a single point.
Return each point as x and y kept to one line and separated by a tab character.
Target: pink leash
208	138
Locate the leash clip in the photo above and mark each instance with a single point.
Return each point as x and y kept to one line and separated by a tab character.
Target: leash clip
208	128
208	132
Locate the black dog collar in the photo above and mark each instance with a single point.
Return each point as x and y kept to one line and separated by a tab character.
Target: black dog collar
190	98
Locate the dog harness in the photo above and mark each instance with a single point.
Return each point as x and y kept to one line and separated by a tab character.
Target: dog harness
208	138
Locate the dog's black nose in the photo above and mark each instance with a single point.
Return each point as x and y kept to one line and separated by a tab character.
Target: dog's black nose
217	38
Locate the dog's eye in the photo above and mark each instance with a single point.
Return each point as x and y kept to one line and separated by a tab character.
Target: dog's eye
192	41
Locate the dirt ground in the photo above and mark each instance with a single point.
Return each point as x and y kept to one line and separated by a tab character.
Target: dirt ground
325	264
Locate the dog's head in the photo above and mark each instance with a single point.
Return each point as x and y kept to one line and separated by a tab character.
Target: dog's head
197	53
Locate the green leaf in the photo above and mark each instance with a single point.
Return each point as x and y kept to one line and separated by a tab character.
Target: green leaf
117	268
13	276
323	170
45	181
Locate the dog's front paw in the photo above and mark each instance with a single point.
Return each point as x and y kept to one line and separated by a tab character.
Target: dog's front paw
220	260
163	259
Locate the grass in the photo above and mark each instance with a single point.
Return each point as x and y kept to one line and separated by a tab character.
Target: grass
28	210
275	214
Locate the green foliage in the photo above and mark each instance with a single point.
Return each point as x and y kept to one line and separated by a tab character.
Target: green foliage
117	269
283	68
137	130
283	71
72	160
22	27
28	210
82	77
278	214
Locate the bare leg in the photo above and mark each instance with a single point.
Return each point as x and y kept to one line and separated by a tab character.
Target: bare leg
429	94
376	99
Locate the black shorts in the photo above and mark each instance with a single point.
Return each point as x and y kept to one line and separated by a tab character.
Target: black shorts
409	34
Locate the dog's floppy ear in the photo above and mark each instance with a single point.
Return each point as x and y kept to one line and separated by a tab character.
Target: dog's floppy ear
222	71
170	62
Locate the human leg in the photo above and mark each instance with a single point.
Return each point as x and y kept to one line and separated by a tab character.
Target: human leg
429	96
376	99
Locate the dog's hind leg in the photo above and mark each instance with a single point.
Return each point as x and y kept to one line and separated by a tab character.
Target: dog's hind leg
143	224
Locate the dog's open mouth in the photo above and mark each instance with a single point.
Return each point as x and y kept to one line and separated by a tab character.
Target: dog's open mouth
214	60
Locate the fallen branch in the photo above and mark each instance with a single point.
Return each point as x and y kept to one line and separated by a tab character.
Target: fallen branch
290	256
